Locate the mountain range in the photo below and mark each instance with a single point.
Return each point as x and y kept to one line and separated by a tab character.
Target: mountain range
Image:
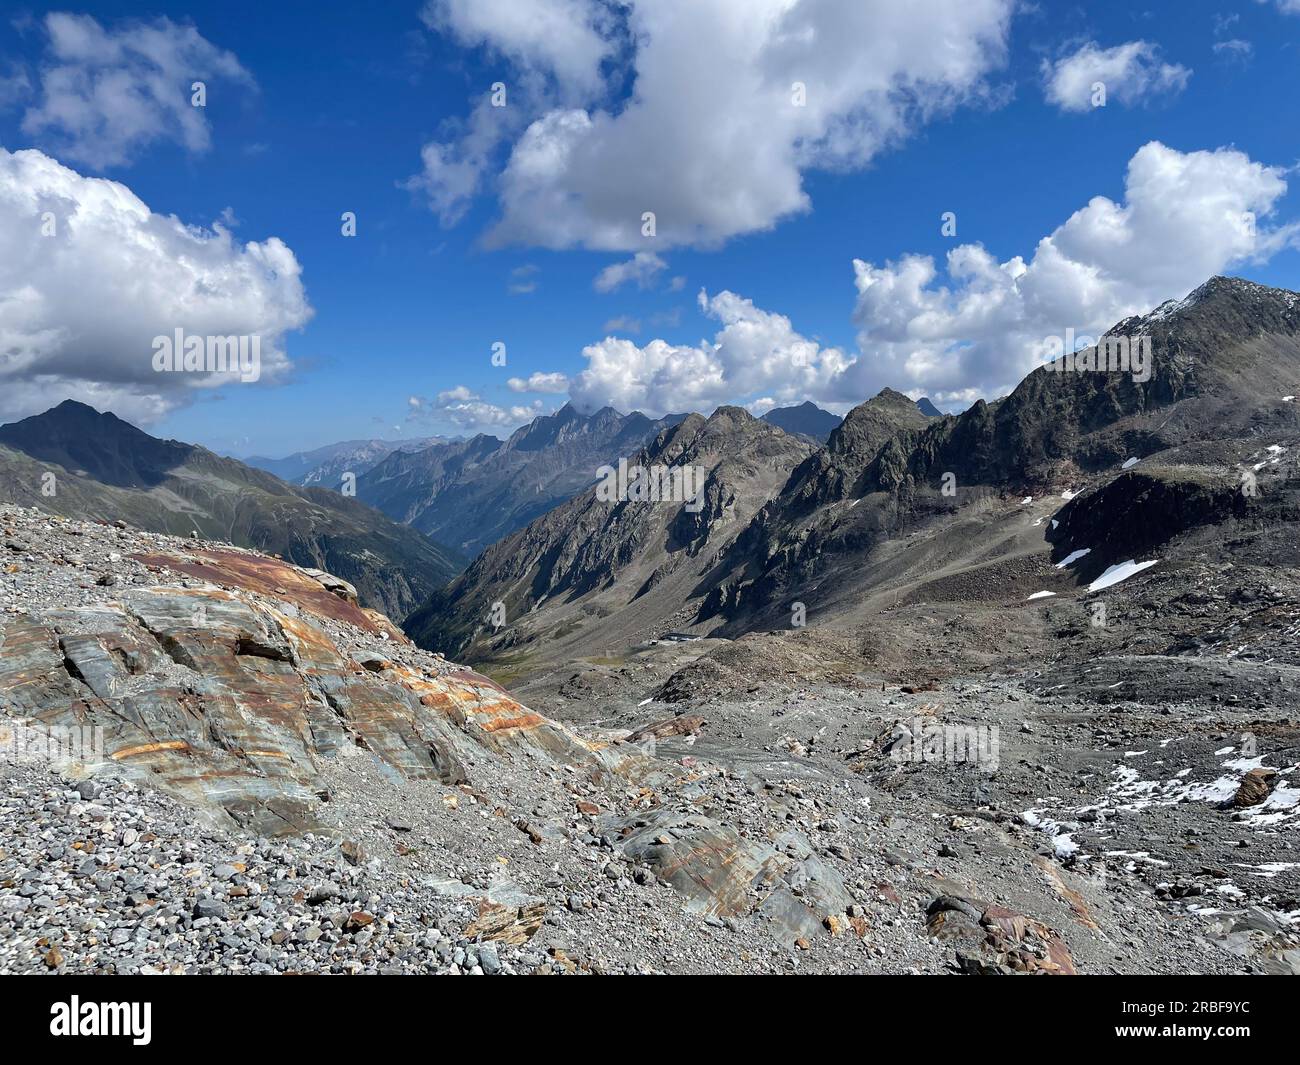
325	466
895	500
901	504
590	571
471	493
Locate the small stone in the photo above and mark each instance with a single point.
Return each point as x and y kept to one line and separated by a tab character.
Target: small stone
488	958
209	908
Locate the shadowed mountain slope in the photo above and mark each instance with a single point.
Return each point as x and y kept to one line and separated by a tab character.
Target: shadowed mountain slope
595	569
104	468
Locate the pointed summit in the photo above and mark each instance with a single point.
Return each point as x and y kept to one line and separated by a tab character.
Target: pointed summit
98	444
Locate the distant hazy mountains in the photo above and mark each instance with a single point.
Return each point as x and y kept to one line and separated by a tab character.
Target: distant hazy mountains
807	419
471	493
325	466
104	468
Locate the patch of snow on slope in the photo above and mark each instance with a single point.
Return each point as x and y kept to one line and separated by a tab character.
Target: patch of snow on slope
1269	869
1121	571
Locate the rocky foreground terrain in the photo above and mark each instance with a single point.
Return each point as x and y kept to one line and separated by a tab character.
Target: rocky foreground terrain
288	785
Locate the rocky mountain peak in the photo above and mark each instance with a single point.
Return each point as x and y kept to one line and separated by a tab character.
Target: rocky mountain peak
868	425
729	417
99	444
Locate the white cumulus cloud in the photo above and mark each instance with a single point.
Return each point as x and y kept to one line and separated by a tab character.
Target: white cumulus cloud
467	411
731	102
547	383
561	39
1184	218
642	268
106	94
753	351
1129	72
80	307
978	327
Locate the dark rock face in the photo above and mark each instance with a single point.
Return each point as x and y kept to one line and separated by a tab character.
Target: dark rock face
472	493
109	470
1216	355
1142	508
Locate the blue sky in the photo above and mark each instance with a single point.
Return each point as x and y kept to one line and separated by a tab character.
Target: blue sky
331	111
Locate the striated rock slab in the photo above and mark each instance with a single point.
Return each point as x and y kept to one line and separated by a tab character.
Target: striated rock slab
315	591
227	700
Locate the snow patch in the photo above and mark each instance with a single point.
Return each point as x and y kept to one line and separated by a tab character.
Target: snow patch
1269	869
1121	571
